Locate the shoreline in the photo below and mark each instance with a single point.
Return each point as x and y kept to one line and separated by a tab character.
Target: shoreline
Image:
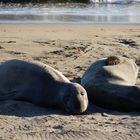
66	23
70	24
70	29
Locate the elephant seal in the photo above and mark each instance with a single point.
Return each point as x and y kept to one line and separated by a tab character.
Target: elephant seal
42	85
110	83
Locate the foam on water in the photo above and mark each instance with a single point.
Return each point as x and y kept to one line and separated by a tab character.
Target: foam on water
115	1
92	13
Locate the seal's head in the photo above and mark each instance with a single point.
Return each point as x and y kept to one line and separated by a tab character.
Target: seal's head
74	98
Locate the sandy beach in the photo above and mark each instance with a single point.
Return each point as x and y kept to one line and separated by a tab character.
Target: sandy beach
70	48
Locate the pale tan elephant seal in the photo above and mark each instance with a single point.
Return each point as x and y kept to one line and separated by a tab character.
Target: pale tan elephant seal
110	82
42	85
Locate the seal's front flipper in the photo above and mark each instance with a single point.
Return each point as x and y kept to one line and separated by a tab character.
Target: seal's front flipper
13	95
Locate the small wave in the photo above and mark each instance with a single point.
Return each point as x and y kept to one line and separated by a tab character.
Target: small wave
115	1
91	13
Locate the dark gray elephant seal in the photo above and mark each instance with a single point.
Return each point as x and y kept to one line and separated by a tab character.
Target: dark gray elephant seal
42	85
110	83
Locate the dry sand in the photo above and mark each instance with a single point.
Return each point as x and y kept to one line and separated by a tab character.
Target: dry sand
70	49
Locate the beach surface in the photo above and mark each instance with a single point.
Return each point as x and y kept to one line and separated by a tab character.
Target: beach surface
70	48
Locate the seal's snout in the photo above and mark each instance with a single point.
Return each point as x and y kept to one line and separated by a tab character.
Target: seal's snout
81	99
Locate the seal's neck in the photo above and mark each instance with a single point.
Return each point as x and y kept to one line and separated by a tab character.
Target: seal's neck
62	86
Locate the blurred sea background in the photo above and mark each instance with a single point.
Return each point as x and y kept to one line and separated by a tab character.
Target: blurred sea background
97	11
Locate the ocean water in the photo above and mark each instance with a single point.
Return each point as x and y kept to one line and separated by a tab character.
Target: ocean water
72	13
115	1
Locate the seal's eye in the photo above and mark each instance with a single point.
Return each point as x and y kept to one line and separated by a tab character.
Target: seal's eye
82	93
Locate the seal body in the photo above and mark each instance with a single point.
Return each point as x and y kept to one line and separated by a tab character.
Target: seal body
112	84
40	84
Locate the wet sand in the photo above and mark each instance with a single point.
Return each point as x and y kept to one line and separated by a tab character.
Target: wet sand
70	49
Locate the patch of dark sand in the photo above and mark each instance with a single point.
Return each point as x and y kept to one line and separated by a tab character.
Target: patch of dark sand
7	41
43	43
129	42
58	52
106	44
39	58
138	62
63	53
15	53
138	36
1	47
70	74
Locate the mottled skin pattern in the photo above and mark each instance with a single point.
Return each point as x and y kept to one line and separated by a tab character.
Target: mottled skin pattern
42	85
112	84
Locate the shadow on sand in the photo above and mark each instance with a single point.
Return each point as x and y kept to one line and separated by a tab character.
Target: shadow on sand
25	109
